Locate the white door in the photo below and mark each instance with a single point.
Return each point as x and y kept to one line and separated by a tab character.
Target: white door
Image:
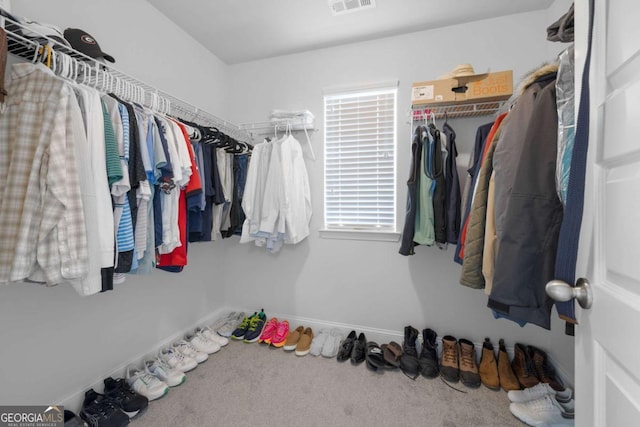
608	334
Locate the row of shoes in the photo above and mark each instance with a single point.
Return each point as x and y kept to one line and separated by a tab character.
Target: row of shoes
458	362
126	398
543	405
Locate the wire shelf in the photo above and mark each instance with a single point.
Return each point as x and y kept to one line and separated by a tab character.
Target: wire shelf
425	111
32	46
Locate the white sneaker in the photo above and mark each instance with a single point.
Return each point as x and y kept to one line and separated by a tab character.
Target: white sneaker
161	370
544	411
538	391
189	350
211	335
227	324
177	360
142	382
202	343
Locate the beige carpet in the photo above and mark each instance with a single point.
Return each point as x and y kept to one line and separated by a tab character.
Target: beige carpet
254	385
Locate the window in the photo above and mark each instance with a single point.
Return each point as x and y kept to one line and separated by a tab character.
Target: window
360	166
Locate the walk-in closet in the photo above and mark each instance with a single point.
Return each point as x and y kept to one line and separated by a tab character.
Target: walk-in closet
330	212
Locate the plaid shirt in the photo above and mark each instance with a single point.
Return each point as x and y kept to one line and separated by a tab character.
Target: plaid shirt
42	227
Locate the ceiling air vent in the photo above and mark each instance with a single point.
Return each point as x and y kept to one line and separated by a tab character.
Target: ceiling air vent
340	7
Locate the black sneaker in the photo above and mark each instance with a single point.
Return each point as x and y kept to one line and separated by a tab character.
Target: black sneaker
71	420
130	402
100	411
358	354
256	324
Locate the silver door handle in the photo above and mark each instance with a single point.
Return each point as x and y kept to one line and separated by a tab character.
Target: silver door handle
561	291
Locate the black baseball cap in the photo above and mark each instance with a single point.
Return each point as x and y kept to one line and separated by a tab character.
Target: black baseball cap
83	42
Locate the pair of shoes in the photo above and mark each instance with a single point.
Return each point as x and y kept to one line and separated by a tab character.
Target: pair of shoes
274	333
145	383
190	350
177	360
164	372
544	369
250	328
458	361
202	342
129	402
546	410
327	343
538	391
212	335
523	367
225	325
99	410
299	340
353	347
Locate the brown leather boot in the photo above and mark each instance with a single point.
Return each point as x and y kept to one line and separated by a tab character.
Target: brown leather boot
508	380
544	369
523	367
449	362
488	367
469	375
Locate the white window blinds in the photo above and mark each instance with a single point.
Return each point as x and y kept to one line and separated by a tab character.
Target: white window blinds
360	145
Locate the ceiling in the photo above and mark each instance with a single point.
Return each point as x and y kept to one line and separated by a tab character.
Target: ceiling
245	30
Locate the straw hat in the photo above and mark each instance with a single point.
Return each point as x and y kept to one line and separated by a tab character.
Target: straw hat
461	70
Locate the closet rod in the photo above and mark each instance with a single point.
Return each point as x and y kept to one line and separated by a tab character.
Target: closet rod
74	65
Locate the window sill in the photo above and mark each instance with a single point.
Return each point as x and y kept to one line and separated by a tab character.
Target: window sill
380	236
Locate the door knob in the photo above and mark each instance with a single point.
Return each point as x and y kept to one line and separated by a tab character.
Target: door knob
561	291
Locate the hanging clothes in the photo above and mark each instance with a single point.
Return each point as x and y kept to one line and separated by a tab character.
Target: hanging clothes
407	243
277	197
527	240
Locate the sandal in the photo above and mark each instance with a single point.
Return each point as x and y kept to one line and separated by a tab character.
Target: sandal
374	357
392	354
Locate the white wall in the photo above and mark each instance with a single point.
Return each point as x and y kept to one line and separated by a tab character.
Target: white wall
369	283
55	343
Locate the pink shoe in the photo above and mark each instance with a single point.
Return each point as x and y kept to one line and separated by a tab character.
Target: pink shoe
280	336
269	331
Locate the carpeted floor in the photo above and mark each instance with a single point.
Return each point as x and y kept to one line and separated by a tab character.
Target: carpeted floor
254	385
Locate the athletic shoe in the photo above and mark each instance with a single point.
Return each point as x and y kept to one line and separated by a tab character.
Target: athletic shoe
537	391
226	325
211	335
202	343
189	350
129	402
241	330
268	331
98	410
256	324
177	360
280	337
142	382
544	411
164	372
